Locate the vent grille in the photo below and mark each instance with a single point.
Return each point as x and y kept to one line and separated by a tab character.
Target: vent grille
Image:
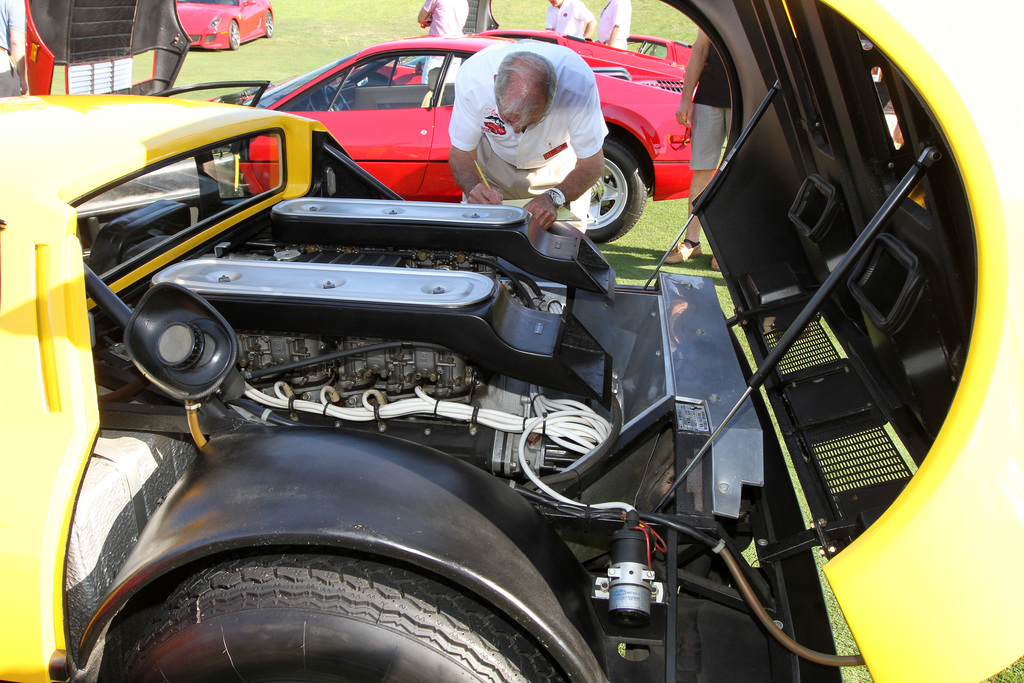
858	459
674	86
812	351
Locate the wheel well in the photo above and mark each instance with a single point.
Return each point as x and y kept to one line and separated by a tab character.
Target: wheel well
137	613
624	136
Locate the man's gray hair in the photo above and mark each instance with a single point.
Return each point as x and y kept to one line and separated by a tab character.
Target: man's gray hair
536	72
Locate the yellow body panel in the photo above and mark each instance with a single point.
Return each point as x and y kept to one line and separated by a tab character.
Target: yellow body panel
50	414
933	591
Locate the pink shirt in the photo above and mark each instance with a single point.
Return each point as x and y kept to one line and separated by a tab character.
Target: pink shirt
449	16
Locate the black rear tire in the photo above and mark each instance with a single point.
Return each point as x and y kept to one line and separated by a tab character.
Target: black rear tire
328	618
268	25
619	197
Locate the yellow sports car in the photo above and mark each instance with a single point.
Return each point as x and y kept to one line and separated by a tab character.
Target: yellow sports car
267	421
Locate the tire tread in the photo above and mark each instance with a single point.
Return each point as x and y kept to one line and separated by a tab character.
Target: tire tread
417	607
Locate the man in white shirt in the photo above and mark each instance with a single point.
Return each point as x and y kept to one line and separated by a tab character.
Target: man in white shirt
527	117
613	24
571	18
445	17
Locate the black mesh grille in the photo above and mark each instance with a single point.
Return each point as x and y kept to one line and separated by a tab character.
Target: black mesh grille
812	351
674	86
101	29
857	459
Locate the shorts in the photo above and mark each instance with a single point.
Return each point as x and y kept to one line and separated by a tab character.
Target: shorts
10	82
707	137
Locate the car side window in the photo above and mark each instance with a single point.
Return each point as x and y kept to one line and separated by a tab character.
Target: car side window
324	97
391	82
145	211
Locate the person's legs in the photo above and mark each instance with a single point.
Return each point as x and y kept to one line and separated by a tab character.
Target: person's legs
710	127
697	184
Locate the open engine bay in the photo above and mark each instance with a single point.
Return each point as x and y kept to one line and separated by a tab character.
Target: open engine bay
504	346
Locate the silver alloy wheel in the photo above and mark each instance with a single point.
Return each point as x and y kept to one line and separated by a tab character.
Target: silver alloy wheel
608	197
234	36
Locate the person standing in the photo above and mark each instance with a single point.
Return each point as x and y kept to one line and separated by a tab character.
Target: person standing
13	81
708	113
613	24
444	17
527	124
570	18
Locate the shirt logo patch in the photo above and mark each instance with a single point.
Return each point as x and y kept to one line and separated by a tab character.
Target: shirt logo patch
552	152
494	125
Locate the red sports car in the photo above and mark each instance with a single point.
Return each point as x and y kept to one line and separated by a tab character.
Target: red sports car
648	58
390	104
674	51
225	24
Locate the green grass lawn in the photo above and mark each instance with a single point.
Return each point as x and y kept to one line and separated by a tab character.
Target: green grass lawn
306	36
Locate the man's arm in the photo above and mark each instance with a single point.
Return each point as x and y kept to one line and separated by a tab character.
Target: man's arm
580	179
694	68
589	29
17	40
423	17
467	177
613	34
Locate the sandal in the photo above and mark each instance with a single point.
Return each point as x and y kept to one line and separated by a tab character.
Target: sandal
684	251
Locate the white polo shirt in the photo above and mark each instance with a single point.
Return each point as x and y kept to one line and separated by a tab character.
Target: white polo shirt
574	119
615	13
570	19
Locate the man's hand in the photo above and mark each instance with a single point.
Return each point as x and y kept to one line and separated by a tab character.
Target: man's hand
467	176
481	194
543	209
684	114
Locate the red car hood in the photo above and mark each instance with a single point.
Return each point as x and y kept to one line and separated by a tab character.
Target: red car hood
195	17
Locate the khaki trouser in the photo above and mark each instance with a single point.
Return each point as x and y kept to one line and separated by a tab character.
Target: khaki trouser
525	183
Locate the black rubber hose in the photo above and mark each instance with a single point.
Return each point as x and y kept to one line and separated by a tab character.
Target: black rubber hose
796	648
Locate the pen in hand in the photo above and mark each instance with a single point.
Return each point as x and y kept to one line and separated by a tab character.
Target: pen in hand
482	176
492	196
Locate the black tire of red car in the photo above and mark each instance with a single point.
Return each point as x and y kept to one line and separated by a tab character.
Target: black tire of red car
619	197
329	618
268	25
234	35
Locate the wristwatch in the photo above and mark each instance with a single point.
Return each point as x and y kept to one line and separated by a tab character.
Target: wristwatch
556	196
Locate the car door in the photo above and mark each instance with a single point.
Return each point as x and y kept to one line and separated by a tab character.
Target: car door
250	13
438	184
379	110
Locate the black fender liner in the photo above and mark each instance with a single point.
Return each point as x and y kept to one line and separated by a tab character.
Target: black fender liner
322	488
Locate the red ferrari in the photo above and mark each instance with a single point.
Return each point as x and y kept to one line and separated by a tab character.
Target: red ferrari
225	24
389	105
648	58
674	51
